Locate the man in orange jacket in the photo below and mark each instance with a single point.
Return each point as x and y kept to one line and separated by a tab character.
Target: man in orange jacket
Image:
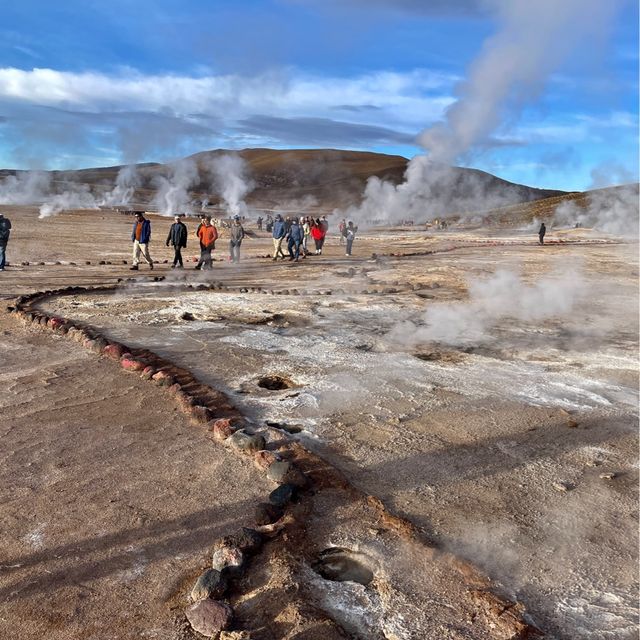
208	235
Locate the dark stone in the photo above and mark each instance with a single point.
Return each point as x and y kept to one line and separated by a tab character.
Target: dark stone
282	495
267	513
210	584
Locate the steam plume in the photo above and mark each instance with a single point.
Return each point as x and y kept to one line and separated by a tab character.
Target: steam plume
172	195
29	187
534	39
78	198
231	181
502	296
124	189
613	210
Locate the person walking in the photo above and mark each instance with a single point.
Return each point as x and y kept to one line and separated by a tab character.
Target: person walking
318	234
306	231
236	234
295	236
177	238
542	232
208	235
141	236
342	228
350	236
278	234
5	232
202	217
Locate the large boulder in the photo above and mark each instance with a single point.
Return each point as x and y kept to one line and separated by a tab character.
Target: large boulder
209	617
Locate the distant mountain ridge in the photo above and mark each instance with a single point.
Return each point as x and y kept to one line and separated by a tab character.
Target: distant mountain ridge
323	178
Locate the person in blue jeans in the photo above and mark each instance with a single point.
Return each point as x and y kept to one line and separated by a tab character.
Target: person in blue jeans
295	237
5	232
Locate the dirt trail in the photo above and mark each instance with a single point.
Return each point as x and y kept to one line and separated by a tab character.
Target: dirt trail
110	498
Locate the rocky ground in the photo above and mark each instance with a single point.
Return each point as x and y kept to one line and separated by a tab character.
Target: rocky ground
516	450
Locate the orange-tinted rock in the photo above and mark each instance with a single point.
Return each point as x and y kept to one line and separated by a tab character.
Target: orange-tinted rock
114	351
264	459
130	364
222	429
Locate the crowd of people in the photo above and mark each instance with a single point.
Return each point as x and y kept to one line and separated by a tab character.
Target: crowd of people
297	233
294	233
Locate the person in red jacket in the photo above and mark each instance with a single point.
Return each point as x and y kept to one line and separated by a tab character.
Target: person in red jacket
318	233
208	235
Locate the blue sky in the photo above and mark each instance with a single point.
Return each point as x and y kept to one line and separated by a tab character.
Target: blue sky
97	83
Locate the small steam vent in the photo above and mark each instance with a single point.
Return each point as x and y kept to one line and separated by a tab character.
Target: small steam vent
343	565
275	382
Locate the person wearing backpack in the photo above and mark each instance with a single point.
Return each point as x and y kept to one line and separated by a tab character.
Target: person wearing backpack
5	232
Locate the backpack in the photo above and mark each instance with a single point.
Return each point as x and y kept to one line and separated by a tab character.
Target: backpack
5	228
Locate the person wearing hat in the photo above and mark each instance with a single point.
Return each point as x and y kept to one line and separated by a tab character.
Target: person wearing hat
178	239
236	234
141	236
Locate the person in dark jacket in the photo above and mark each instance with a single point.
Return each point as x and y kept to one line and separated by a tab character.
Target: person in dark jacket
236	234
5	232
295	238
350	236
278	236
141	236
541	233
177	238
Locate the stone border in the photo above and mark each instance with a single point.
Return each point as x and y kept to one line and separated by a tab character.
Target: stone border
295	470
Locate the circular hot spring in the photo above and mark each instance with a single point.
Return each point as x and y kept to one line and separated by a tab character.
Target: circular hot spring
275	382
344	565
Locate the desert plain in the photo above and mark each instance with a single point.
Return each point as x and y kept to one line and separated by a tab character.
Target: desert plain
481	450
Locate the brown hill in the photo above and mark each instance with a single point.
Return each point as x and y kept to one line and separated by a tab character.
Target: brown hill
321	178
622	197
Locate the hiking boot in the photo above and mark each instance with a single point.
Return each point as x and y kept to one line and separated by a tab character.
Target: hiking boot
134	268
151	266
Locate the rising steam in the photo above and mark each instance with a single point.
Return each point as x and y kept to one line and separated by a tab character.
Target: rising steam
172	195
511	70
613	210
230	175
26	187
124	189
502	296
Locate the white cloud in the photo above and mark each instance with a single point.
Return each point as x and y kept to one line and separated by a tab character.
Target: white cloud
413	97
